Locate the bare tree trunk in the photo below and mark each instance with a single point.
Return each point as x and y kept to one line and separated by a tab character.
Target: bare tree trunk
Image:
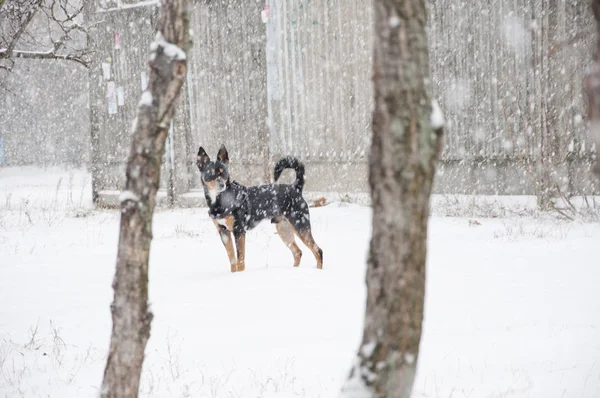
131	317
405	147
592	89
94	71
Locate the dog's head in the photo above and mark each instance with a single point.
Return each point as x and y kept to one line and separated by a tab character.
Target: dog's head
215	175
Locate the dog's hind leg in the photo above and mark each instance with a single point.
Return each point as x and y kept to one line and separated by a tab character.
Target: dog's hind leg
301	223
286	233
227	240
306	236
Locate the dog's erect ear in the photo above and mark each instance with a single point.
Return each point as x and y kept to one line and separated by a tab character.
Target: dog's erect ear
202	159
223	156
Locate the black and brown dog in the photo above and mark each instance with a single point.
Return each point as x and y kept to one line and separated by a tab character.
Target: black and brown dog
235	208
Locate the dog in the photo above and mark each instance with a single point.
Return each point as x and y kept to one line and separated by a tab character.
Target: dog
235	209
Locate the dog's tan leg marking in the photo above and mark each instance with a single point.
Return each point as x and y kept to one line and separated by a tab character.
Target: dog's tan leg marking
306	237
229	222
240	242
227	239
286	233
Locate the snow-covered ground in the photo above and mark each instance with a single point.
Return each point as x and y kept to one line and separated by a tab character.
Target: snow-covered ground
512	308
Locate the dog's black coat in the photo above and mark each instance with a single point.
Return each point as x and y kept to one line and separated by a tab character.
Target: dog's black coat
251	205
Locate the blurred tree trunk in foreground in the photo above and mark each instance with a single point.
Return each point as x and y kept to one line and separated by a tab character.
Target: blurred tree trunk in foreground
592	89
130	314
407	135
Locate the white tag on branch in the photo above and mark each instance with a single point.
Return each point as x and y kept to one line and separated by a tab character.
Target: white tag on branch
437	117
171	50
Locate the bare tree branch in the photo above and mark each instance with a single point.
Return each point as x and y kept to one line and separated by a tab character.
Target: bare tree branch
24	19
21	26
50	54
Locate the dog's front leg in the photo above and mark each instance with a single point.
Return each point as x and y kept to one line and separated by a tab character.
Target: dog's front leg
240	243
227	240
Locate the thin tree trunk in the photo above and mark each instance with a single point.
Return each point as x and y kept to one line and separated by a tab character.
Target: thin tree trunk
405	147
131	317
93	76
592	89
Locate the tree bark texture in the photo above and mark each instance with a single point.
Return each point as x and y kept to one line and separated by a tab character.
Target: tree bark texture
592	89
130	312
405	146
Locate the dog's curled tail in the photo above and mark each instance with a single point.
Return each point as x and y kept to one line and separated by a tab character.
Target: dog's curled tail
291	162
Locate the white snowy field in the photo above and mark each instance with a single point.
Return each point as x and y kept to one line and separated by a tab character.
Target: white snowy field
512	307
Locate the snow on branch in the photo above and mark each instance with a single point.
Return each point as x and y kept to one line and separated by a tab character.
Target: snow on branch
49	54
171	50
128	195
146	99
437	117
130	6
